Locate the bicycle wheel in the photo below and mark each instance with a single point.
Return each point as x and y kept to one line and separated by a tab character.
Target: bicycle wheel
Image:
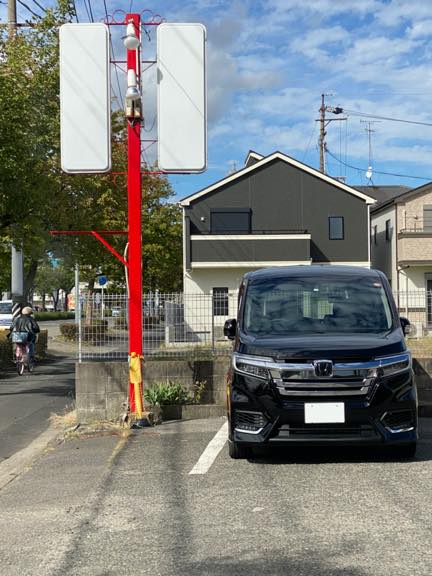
20	367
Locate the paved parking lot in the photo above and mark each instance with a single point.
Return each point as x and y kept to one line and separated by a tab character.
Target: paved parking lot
110	506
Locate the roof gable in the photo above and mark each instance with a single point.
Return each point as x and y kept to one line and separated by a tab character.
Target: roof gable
266	160
406	196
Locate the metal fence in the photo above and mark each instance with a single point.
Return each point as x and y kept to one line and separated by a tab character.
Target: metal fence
181	324
173	324
416	305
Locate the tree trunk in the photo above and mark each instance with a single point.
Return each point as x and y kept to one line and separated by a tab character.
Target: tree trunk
29	279
55	295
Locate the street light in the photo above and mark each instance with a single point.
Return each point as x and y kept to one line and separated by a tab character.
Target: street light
131	40
133	96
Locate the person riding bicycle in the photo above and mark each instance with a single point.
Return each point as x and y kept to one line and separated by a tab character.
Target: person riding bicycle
26	323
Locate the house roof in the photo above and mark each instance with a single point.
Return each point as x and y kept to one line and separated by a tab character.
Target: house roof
263	161
407	192
383	194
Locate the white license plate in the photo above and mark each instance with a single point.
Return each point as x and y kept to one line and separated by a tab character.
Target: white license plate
324	413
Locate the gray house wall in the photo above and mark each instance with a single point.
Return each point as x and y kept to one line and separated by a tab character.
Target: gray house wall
285	199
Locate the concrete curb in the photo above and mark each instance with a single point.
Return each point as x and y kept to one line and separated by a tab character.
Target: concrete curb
21	461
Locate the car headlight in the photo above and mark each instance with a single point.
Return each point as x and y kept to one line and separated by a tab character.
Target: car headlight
250	367
392	365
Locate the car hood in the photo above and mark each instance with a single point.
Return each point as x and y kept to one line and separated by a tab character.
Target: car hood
336	347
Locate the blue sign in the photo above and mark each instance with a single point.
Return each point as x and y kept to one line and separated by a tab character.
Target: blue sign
102	280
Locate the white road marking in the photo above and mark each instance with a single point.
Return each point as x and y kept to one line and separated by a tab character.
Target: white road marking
212	450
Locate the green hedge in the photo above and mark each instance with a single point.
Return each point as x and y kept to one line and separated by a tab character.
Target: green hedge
90	332
6	348
54	315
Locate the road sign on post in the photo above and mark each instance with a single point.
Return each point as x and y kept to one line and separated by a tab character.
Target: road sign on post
182	108
85	104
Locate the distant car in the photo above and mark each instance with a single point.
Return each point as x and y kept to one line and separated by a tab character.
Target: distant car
5	314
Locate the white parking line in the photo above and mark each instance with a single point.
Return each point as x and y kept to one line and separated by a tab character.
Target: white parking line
212	450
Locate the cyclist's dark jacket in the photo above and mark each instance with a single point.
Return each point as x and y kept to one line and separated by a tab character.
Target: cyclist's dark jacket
26	323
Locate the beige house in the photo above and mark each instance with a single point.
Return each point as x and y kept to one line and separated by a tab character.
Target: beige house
401	246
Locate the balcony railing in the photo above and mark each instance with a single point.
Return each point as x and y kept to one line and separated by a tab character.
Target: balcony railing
417	225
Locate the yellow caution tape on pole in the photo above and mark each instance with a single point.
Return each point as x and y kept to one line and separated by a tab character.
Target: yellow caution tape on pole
135	378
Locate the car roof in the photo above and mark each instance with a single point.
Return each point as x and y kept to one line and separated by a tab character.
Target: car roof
307	271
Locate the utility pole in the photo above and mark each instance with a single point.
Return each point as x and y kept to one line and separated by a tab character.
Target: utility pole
323	133
12	18
369	132
17	266
324	122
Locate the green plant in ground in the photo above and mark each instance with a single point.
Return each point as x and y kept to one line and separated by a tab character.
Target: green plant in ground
165	393
173	393
197	391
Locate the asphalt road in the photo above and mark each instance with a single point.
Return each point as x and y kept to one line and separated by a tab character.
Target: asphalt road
27	401
108	506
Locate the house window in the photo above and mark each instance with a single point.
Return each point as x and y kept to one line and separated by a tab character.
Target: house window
388	230
427	218
336	227
220	301
375	234
223	220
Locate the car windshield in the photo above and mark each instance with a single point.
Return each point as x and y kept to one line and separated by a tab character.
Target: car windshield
5	308
316	305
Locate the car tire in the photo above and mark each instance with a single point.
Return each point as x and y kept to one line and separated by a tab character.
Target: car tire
237	452
406	451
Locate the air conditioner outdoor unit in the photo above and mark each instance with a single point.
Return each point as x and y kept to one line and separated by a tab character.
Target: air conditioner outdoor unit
416	330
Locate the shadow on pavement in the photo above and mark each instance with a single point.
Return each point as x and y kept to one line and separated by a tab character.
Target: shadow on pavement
336	454
268	564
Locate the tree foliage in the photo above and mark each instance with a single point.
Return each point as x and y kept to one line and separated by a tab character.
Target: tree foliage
36	197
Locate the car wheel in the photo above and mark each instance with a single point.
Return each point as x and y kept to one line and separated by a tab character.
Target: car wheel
406	451
237	452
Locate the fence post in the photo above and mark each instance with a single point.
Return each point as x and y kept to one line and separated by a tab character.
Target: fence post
212	312
78	312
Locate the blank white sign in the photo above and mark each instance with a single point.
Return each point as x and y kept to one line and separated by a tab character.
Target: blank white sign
182	108
85	106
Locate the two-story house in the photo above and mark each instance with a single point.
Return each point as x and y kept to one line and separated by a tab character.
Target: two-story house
401	242
275	211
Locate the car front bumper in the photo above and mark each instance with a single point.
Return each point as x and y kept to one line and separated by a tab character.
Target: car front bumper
387	416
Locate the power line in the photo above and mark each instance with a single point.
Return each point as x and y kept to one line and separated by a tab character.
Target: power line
29	9
338	110
87	10
39	5
91	10
119	98
429	178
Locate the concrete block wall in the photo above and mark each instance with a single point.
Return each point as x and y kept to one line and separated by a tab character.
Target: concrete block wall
102	387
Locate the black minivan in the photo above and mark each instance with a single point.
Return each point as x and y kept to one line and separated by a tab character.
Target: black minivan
319	358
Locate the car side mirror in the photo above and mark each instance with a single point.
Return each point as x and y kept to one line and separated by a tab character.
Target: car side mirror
230	328
406	325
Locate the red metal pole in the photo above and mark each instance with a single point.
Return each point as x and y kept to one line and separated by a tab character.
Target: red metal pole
134	229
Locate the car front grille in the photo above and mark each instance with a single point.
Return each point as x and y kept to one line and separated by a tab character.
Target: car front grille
325	431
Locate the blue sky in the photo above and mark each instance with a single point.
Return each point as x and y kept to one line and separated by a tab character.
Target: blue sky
268	63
